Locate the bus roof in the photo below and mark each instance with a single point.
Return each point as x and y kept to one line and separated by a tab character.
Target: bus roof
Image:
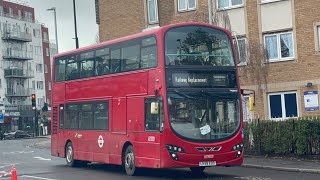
141	34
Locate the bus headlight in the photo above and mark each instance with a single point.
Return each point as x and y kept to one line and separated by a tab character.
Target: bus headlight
237	147
173	148
173	151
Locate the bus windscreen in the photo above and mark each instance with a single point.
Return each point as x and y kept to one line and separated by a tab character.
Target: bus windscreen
198	45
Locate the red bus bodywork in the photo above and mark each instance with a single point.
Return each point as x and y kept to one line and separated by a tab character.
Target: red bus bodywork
126	92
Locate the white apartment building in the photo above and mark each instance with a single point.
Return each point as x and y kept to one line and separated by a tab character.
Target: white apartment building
24	64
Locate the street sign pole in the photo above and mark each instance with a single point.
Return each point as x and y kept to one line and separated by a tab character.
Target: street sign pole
36	122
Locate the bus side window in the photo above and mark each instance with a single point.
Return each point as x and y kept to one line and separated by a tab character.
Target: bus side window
115	60
86	68
72	68
72	116
149	53
102	65
152	114
131	57
60	70
149	57
102	61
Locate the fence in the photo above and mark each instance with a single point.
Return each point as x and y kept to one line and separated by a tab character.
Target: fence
292	137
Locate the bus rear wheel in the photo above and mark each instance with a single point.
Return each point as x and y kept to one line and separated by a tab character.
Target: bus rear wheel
197	170
129	161
70	157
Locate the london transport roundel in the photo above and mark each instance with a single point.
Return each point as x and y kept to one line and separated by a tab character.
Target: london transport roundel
100	141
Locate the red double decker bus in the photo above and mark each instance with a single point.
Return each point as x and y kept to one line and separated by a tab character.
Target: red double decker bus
169	97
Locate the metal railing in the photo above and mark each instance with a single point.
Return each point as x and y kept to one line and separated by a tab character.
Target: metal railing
18	91
17	35
18	73
17	54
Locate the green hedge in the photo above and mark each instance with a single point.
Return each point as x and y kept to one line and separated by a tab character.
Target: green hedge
286	137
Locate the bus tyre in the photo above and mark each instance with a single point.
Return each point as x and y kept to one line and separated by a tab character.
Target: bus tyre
128	162
69	156
197	170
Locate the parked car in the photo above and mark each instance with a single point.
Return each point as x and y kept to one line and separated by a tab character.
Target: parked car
15	134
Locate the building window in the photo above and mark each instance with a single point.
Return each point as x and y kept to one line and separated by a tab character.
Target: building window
283	105
37	50
19	14
152	11
221	4
39	68
1	10
47	51
241	50
45	36
45	68
40	102
33	85
268	1
279	46
36	33
318	38
185	5
39	84
49	85
10	12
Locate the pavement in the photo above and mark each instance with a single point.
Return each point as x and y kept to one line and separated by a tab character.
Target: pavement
273	163
283	164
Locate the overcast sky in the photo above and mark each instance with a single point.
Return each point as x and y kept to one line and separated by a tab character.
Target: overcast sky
86	21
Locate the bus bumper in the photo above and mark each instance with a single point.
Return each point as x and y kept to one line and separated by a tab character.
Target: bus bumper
195	160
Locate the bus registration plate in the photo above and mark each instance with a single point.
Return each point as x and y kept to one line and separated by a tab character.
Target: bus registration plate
207	163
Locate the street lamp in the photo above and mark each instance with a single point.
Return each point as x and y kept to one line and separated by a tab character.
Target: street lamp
55	24
210	11
75	24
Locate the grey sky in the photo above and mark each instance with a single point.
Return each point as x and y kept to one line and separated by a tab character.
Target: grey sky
86	21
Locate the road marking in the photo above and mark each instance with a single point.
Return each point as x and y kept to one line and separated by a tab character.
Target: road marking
18	152
6	178
42	159
8	165
253	178
35	177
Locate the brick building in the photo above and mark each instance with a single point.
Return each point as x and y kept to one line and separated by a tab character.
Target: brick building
278	42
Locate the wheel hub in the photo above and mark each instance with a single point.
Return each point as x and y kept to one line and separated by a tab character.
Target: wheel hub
69	154
129	162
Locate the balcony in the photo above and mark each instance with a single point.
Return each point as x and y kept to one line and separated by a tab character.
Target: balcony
17	36
17	54
13	16
18	91
17	107
18	73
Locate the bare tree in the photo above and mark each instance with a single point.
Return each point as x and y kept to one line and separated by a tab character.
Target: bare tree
221	18
255	71
97	39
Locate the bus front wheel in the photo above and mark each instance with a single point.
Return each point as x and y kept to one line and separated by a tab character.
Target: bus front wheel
129	161
197	170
